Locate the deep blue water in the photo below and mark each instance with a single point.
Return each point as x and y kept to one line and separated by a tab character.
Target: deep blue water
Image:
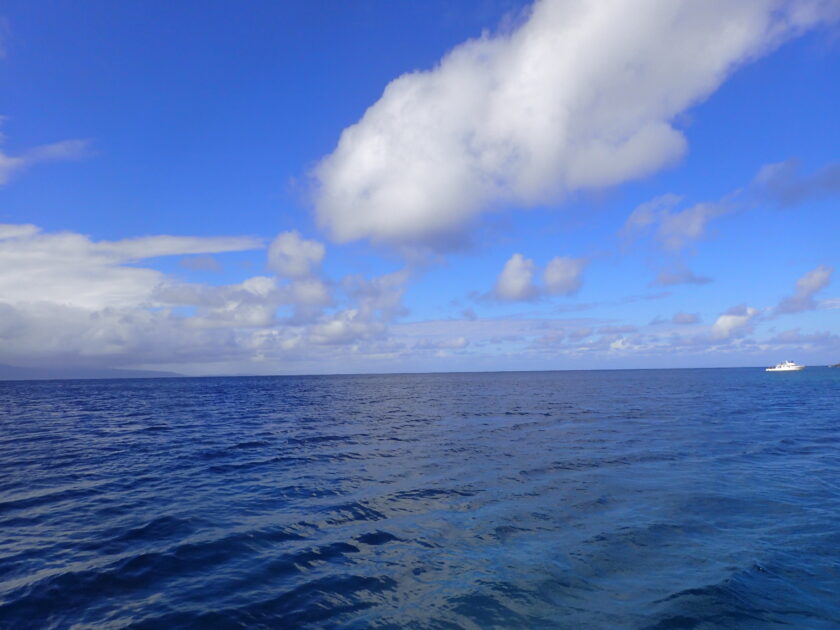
645	499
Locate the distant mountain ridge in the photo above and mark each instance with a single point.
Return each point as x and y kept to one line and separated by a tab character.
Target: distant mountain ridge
17	373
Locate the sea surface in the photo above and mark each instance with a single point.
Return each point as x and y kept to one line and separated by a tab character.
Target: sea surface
644	499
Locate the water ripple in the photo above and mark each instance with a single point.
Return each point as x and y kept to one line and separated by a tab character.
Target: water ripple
637	499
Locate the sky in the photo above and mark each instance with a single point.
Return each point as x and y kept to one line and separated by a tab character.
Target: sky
317	186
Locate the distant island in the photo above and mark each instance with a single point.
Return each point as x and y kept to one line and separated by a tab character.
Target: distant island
837	365
17	373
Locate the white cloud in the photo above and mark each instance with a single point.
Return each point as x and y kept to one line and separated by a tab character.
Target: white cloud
68	300
44	333
563	275
260	286
516	281
252	303
8	230
581	96
310	292
294	257
733	322
71	269
806	287
373	304
346	327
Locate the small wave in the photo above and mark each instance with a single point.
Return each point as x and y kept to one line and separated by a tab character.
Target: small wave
50	496
640	501
156	428
755	597
159	528
318	439
240	466
312	604
250	444
376	538
353	512
147	569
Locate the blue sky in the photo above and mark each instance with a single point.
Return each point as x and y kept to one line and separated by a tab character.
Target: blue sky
310	187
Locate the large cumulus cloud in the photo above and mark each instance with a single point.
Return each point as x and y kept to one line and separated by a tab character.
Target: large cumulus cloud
582	95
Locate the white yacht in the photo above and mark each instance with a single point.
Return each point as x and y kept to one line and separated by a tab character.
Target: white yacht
785	366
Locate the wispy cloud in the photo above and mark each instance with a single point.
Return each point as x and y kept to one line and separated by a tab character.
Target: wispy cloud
670	277
455	343
783	183
806	287
794	337
685	318
678	229
12	165
146	247
648	215
675	229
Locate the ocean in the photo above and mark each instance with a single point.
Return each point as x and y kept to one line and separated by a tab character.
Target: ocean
639	499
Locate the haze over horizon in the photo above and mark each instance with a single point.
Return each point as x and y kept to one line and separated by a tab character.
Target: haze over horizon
306	188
